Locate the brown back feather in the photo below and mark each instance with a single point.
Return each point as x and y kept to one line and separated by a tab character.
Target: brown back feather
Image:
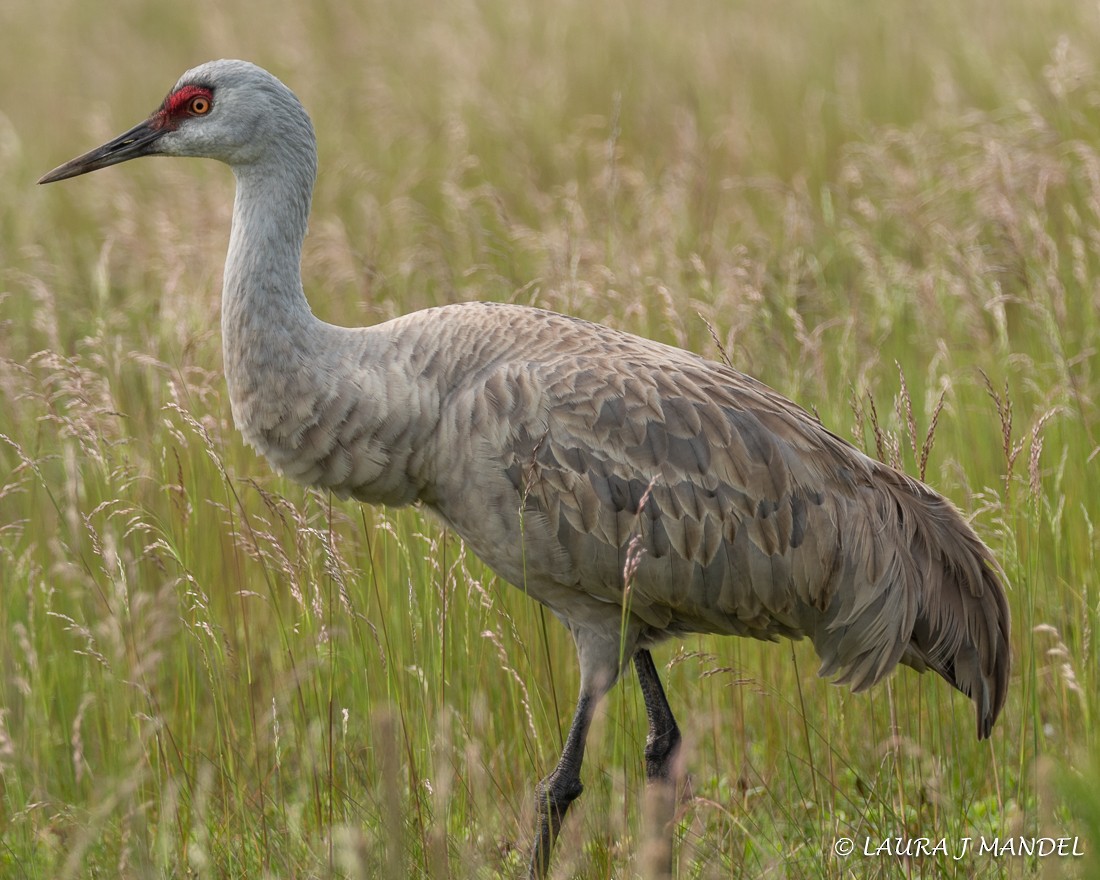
756	520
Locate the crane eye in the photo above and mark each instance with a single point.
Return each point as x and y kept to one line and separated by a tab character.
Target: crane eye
198	105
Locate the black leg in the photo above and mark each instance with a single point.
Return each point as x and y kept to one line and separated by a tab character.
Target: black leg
558	790
662	746
663	740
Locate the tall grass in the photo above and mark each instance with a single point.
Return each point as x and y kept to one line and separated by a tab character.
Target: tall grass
889	212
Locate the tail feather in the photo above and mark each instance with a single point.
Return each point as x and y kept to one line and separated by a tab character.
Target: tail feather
964	638
927	593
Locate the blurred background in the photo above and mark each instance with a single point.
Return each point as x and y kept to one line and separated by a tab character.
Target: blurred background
889	212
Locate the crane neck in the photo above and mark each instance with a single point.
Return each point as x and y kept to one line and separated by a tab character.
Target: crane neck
267	326
263	282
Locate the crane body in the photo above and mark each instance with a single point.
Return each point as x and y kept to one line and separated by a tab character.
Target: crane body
593	469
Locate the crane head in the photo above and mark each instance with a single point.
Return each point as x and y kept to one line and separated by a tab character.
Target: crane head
232	111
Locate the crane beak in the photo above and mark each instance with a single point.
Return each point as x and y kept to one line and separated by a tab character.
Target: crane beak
138	141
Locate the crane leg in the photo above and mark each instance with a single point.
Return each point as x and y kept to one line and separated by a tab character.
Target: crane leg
662	747
663	740
556	792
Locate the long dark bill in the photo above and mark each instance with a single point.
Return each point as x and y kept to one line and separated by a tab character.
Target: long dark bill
138	141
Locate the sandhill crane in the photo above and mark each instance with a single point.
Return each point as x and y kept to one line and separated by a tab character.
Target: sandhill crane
559	450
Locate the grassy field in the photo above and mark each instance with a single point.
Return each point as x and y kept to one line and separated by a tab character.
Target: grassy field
877	209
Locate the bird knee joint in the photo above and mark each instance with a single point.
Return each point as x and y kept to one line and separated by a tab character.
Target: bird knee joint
554	794
663	745
660	753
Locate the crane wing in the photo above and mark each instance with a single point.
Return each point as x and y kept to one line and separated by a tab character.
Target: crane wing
700	500
726	508
724	496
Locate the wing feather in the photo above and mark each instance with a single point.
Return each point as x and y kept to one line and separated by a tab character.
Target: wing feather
751	518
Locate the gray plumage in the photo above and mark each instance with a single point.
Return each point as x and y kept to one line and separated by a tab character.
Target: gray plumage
561	450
